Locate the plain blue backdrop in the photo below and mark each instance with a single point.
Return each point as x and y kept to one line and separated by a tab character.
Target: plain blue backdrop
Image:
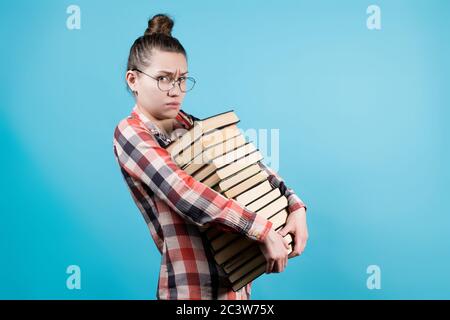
363	119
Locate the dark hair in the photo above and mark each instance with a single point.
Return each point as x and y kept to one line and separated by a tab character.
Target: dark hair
158	35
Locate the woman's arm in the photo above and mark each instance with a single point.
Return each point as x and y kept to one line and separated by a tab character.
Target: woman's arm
143	158
296	223
295	203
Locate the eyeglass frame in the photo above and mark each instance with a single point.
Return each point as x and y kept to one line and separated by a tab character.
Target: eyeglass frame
173	81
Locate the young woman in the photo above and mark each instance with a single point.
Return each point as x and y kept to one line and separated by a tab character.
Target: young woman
174	205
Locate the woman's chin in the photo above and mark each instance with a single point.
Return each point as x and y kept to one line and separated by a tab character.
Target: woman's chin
171	111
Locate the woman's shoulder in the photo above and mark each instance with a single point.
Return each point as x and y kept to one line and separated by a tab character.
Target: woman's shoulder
132	128
129	121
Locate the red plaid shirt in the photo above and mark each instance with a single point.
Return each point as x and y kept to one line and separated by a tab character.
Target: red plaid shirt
176	208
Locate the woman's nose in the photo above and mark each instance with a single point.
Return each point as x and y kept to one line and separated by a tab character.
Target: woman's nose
175	90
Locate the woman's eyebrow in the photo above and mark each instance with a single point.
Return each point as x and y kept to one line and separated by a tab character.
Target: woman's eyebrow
168	72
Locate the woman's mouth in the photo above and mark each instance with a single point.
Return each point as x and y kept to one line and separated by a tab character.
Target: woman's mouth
173	104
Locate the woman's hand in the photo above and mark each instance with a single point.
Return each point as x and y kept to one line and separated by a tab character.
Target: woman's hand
275	249
296	226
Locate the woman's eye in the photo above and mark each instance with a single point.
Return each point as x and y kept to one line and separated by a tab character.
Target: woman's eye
182	79
165	79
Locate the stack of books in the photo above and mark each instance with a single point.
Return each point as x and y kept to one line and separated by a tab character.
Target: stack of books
215	152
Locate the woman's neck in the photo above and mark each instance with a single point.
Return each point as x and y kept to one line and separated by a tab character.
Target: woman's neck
166	125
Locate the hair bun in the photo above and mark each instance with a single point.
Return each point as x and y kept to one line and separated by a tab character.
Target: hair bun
160	23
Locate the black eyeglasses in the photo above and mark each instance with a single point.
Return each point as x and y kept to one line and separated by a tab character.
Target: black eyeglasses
166	83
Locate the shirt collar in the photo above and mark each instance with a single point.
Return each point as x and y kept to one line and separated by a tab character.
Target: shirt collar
182	121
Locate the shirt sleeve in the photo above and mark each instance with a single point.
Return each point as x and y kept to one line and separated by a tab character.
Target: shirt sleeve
294	201
139	154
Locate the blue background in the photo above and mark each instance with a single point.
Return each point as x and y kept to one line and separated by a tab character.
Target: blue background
363	118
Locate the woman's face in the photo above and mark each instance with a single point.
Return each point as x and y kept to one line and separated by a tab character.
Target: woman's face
150	98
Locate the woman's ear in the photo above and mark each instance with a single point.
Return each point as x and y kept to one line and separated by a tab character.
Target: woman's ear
131	79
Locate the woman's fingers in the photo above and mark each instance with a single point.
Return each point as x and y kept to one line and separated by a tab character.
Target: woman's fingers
276	266
299	247
285	230
294	247
279	266
286	243
302	248
269	266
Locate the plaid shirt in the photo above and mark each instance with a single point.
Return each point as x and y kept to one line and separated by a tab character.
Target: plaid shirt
177	208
